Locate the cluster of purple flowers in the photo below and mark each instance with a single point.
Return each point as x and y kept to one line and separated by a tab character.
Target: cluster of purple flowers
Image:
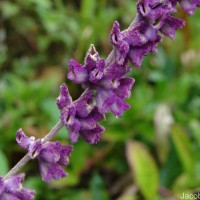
106	88
105	82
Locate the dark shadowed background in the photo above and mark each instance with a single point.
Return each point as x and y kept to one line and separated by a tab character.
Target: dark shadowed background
151	152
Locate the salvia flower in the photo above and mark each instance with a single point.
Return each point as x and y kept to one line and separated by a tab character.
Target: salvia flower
80	117
11	189
51	155
108	82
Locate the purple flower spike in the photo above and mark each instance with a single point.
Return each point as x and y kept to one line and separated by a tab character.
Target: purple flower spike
107	78
11	189
52	157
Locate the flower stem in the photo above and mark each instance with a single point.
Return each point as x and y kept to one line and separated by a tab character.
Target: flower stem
53	132
27	158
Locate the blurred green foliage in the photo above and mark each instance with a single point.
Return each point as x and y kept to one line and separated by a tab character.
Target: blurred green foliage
152	152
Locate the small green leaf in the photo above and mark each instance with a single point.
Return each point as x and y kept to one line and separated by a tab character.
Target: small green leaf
144	169
183	148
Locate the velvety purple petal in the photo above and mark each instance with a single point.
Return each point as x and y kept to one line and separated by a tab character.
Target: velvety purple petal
155	11
92	136
174	2
124	88
64	98
35	148
171	25
84	105
64	154
77	72
114	71
188	5
11	189
50	152
143	7
136	54
104	98
97	73
7	196
119	107
133	36
88	122
149	33
115	35
22	140
92	57
52	156
73	131
68	115
121	46
14	183
50	171
25	194
121	52
1	185
110	84
197	2
97	116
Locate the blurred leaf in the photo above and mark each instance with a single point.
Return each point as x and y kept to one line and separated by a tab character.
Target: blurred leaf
195	126
97	188
71	180
144	169
182	183
183	148
4	164
9	9
87	9
171	169
129	194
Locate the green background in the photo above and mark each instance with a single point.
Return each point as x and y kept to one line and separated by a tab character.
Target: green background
152	152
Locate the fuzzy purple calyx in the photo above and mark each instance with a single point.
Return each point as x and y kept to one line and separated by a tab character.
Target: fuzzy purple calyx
11	189
51	155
